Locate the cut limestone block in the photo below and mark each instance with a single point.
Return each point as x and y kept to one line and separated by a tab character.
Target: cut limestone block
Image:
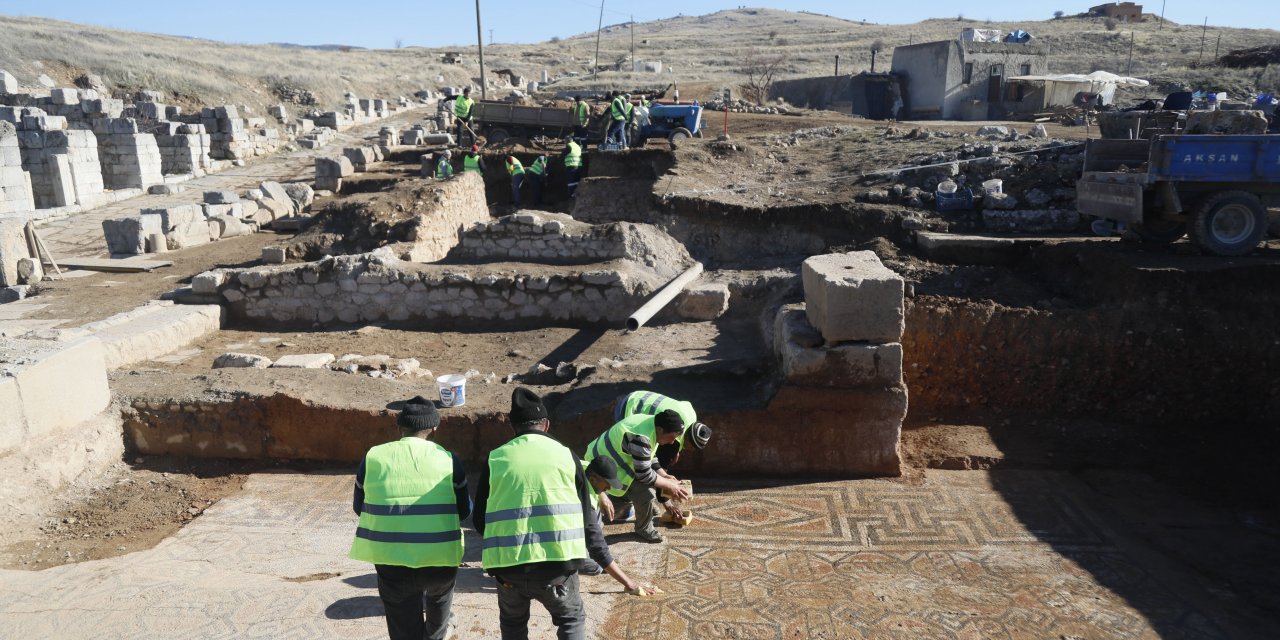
807	360
276	191
56	385
220	197
274	255
703	301
304	361
13	247
852	296
129	235
153	330
234	360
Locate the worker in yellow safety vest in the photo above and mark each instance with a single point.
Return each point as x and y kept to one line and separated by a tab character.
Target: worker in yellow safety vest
473	161
516	171
581	118
572	164
444	168
618	120
632	443
695	433
462	110
534	513
411	495
538	177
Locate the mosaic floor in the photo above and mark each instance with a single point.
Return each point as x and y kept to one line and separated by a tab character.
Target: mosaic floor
965	555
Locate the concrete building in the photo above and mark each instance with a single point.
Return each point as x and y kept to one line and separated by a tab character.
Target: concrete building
962	80
876	96
1126	11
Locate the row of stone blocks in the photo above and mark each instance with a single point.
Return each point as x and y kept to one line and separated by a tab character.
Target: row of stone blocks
840	355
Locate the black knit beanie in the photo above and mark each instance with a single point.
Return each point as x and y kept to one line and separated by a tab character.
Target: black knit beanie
526	407
418	414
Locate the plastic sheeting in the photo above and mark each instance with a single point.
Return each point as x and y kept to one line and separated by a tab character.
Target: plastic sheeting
1062	89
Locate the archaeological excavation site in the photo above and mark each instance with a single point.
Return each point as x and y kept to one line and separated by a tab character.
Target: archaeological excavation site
1004	375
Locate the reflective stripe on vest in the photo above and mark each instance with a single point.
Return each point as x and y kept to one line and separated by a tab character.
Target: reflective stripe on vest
410	512
462	107
514	168
539	166
651	403
610	443
574	157
533	513
471	163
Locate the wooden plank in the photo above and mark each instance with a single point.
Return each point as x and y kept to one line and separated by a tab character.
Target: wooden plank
128	265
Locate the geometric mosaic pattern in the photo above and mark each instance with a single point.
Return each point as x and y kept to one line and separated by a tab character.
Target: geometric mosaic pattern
967	554
881	559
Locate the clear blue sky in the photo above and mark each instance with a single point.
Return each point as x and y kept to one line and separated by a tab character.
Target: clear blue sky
379	23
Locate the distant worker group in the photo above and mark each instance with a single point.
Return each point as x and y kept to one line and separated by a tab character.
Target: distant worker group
537	509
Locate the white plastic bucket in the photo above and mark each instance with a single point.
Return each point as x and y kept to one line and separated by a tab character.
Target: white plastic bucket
947	186
993	186
453	390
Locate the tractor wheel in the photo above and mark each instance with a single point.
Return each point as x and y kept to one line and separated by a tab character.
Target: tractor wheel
1229	223
679	135
498	135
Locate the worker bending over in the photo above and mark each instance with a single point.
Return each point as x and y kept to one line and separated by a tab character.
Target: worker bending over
538	177
632	442
534	513
694	432
516	171
411	495
602	475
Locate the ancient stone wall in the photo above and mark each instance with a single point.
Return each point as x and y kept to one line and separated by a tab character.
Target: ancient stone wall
540	237
377	287
15	184
129	158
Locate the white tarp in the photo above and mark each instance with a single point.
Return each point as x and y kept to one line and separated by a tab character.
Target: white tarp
982	35
1062	89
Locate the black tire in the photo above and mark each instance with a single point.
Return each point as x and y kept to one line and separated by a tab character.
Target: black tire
1229	223
1160	231
679	135
698	134
497	135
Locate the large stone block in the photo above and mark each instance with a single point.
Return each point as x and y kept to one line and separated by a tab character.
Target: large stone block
703	301
129	235
807	360
276	191
853	297
64	383
151	331
304	361
13	247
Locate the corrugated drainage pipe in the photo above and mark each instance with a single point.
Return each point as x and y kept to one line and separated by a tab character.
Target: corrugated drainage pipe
664	297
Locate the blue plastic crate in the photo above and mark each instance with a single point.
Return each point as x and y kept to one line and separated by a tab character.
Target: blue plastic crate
961	200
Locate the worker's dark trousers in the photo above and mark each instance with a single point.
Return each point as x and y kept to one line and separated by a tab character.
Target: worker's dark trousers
537	183
617	132
572	173
402	590
559	594
580	133
643	498
517	181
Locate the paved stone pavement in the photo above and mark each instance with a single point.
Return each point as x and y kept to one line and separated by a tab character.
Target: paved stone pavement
967	554
80	234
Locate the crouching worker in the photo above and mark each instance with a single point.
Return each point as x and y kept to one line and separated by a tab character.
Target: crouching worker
694	433
411	495
602	475
632	444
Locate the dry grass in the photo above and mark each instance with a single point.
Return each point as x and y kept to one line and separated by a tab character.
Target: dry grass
705	52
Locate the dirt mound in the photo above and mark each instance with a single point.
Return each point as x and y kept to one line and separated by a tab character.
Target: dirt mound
363	222
1252	57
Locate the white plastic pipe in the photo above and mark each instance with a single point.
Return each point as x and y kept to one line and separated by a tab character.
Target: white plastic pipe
663	297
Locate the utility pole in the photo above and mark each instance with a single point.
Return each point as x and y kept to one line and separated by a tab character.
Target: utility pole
1162	3
599	26
633	43
1203	32
1216	46
837	73
484	91
491	37
1129	69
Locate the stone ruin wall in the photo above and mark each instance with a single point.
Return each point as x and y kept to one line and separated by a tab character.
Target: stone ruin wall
377	287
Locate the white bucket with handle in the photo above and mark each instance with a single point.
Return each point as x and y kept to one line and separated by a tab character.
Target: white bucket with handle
453	390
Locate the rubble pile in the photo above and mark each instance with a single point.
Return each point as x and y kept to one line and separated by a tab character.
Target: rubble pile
742	106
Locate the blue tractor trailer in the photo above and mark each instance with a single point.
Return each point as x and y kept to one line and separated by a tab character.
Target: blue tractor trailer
1215	188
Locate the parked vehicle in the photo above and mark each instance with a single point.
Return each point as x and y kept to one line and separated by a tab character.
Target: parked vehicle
675	122
497	121
1214	187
